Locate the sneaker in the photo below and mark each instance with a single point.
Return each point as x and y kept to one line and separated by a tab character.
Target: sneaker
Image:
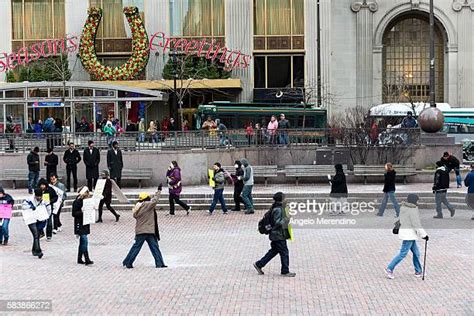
452	212
55	231
289	275
163	266
224	212
48	238
209	212
259	270
42	235
128	267
418	274
60	229
389	274
249	212
438	216
188	210
378	214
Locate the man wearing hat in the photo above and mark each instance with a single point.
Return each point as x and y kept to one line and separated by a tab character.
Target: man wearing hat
146	229
278	236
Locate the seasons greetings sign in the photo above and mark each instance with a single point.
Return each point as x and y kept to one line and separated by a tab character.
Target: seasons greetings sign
141	47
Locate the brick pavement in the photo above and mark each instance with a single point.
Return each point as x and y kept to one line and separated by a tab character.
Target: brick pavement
210	258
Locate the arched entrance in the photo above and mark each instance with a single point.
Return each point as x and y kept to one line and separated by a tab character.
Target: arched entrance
406	60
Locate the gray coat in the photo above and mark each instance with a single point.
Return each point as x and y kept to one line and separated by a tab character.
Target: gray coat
280	223
219	179
248	172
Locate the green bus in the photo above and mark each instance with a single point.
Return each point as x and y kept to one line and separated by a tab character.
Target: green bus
239	115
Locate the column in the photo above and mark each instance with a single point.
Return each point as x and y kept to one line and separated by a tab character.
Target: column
465	61
326	48
364	11
239	36
311	44
5	33
76	15
156	20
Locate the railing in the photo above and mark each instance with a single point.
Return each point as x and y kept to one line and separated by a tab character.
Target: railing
137	141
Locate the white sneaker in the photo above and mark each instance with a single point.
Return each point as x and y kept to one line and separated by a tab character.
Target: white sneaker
189	210
389	274
55	231
60	229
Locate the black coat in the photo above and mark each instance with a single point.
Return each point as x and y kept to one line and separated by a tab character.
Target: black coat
115	163
451	162
441	180
33	161
52	164
239	172
71	158
389	184
107	193
92	163
79	229
338	185
53	196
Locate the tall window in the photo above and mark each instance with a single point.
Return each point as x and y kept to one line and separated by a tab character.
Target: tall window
34	20
279	71
114	34
278	24
197	18
406	61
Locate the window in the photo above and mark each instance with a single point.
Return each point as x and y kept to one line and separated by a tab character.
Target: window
197	18
278	24
34	20
114	34
406	61
279	71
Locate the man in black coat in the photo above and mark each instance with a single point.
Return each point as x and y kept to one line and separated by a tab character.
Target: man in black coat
33	161
115	163
452	163
91	160
338	191
71	158
51	162
440	189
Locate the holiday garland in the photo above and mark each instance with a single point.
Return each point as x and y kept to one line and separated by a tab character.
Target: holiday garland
134	65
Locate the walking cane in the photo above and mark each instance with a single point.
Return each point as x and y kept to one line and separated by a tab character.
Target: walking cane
424	260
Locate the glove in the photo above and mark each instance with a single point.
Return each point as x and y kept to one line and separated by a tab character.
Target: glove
426	238
160	187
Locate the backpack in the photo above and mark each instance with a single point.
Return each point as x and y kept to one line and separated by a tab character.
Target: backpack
265	225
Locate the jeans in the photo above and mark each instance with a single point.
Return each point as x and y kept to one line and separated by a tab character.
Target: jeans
109	207
237	196
458	175
218	197
32	180
277	247
36	250
440	197
152	242
71	169
141	137
284	139
83	243
247	197
389	195
4	230
407	245
174	198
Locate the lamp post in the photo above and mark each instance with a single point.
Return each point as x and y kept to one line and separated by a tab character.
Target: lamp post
174	59
432	57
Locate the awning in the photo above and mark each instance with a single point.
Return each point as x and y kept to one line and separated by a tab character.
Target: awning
180	84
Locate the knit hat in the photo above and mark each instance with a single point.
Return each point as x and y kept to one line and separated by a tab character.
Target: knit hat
412	198
2	190
279	197
143	196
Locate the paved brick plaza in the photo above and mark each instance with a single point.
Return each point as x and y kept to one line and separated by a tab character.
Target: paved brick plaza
339	271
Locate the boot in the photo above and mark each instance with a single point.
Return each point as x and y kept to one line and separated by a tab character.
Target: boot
88	260
79	257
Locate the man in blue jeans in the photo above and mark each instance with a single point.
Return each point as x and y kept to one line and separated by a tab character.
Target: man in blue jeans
5	199
33	161
219	180
146	229
248	186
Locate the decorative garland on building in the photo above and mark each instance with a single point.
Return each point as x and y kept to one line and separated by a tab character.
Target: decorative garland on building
140	46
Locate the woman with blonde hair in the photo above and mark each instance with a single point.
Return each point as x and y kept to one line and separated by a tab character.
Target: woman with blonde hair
389	190
80	229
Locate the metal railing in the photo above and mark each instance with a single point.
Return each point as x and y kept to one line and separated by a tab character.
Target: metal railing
175	140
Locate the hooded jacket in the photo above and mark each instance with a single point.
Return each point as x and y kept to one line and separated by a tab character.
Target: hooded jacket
145	215
239	174
441	180
174	181
410	226
248	172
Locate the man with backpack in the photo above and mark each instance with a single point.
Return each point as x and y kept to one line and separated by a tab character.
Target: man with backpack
440	189
275	224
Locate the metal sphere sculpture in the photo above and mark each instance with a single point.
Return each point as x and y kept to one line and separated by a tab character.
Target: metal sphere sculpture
431	120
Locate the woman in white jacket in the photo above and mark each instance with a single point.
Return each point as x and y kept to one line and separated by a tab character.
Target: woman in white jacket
410	230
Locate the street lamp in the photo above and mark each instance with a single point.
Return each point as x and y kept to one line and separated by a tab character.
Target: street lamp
174	59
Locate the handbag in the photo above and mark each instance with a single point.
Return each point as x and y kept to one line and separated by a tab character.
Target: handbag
396	228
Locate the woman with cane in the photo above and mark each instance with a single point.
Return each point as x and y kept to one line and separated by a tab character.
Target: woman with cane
410	230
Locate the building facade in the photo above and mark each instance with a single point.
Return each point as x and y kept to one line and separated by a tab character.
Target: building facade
371	52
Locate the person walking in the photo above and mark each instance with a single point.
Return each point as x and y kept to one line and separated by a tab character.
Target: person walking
54	181
452	163
91	160
469	183
338	193
440	189
115	163
146	229
71	158
107	198
248	186
50	197
33	161
173	177
81	230
410	230
278	235
51	162
389	190
238	185
283	127
219	180
4	232
31	204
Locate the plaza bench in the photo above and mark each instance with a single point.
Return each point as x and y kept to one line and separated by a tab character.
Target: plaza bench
137	174
300	171
379	170
259	171
15	175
